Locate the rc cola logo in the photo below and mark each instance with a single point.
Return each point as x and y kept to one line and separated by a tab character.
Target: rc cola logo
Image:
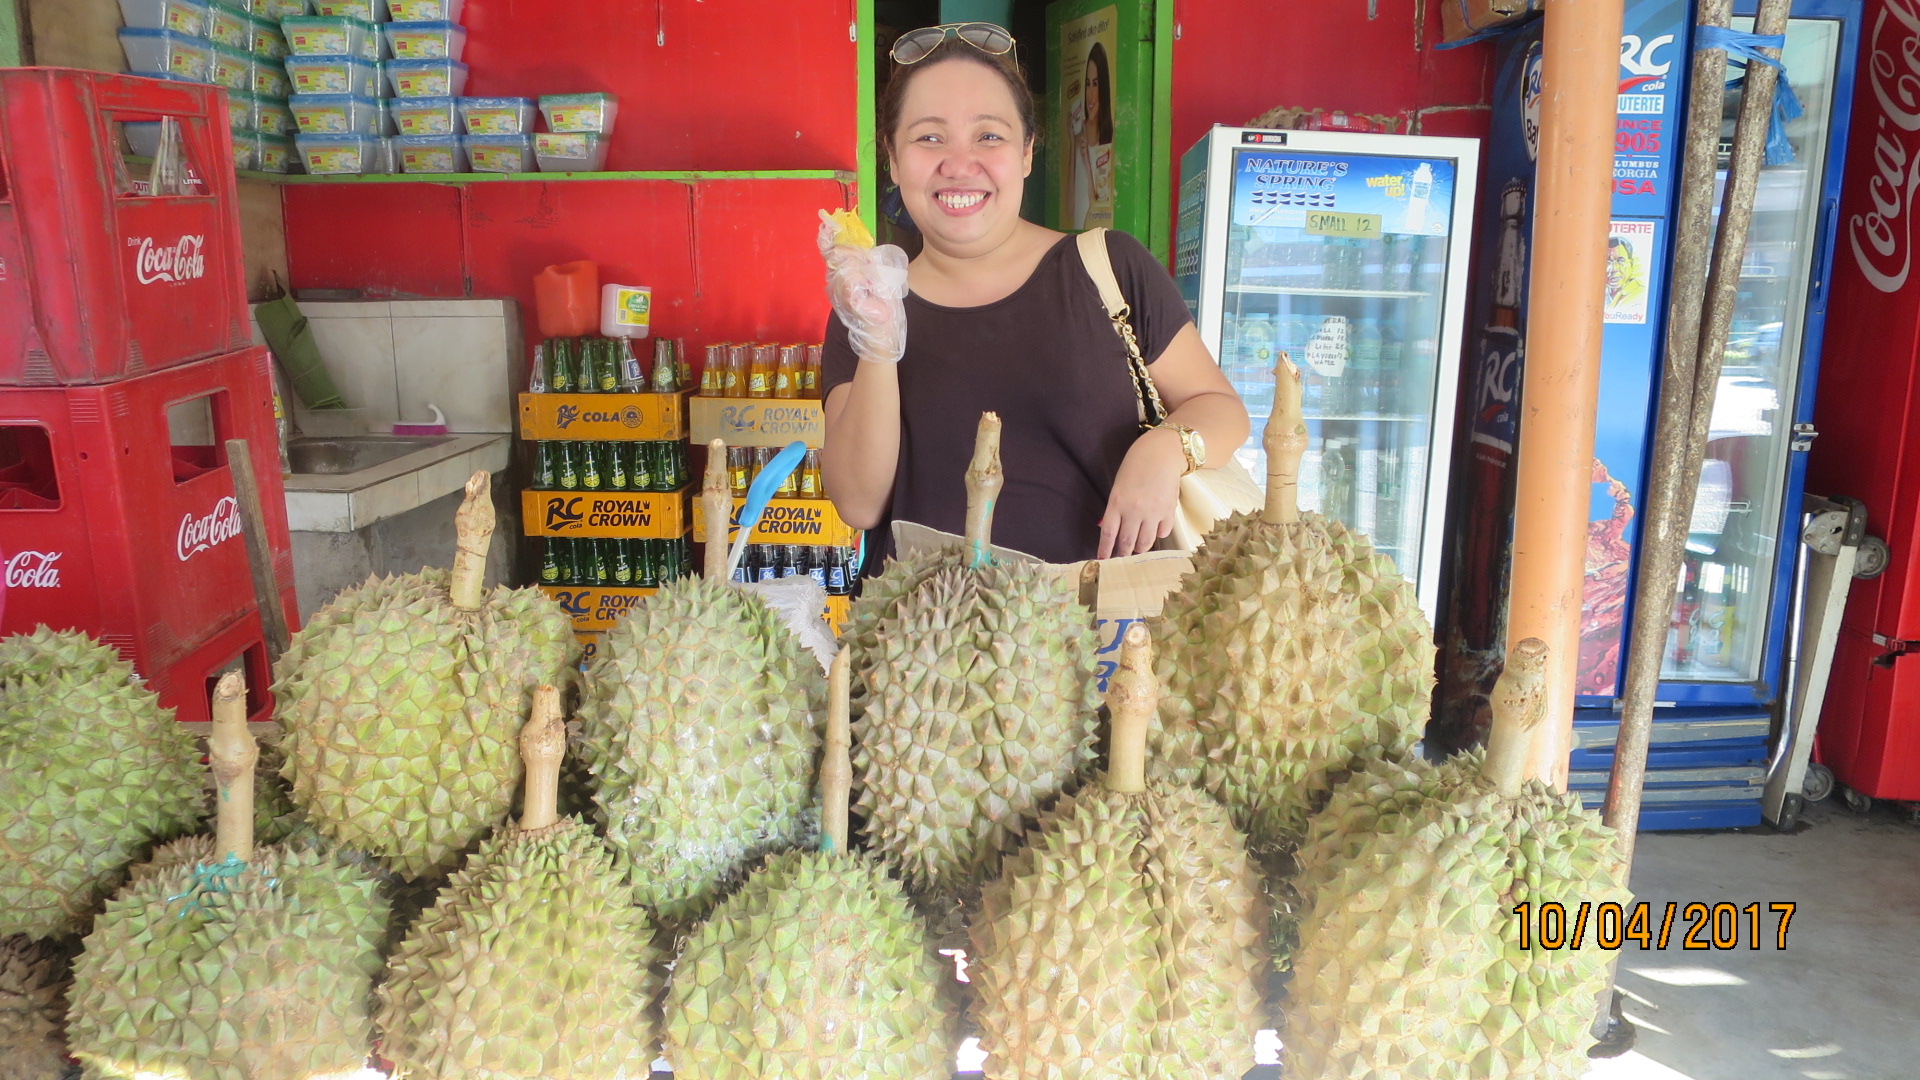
197	534
1532	90
564	417
183	260
564	513
34	570
1882	238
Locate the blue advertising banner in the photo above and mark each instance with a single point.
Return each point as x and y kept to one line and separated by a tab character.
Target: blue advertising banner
1290	189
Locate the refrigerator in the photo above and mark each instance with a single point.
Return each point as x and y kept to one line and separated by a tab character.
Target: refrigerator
1868	446
1720	697
1349	252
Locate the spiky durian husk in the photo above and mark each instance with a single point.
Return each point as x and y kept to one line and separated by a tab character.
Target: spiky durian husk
403	714
1288	651
816	969
879	601
1127	939
93	772
215	971
698	724
533	964
980	710
34	977
1409	961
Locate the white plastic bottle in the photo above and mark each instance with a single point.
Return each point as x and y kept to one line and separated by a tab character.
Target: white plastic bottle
1419	192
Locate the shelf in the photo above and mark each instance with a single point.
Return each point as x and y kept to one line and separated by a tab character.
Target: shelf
1282	290
844	176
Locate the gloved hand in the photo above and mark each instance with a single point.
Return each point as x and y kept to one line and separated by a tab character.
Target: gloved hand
868	288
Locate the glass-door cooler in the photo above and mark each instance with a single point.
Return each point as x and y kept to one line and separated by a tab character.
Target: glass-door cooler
1349	252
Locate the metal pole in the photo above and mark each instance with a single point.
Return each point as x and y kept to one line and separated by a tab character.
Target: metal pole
1689	382
1580	63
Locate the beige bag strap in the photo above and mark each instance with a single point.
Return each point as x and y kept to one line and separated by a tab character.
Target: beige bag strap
1093	253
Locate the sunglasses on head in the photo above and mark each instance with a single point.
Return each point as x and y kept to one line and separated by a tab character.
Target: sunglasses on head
915	45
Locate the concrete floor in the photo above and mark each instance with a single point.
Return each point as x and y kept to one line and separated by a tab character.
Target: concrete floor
1840	1002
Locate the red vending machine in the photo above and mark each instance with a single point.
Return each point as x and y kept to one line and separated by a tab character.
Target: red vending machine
1869	446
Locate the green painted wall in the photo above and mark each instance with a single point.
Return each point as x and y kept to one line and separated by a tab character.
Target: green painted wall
9	34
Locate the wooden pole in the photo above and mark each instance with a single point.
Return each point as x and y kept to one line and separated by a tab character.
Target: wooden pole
1573	193
1133	697
716	504
1689	382
1285	441
233	753
253	529
543	745
985	478
473	531
836	766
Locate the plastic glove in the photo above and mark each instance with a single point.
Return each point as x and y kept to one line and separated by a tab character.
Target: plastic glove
868	289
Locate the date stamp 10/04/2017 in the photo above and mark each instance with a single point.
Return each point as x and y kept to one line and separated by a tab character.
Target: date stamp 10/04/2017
1610	926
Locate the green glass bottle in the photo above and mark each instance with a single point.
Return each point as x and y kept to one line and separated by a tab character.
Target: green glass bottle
617	475
622	559
592	475
566	470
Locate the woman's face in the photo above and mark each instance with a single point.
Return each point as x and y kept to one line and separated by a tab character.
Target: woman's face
1092	92
961	157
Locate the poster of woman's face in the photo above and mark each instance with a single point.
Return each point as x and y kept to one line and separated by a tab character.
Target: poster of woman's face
1087	47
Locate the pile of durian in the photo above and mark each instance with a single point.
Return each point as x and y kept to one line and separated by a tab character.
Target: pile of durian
770	860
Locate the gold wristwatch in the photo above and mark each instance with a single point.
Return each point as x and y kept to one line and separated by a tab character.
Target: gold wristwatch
1191	444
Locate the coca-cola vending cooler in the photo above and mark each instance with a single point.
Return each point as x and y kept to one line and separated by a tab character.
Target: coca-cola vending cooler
1869	446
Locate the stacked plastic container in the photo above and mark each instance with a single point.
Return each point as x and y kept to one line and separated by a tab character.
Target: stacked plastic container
237	45
579	127
382	91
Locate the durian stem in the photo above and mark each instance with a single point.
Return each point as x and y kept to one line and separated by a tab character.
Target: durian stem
543	743
985	478
1285	441
473	532
1133	696
233	753
1519	703
836	767
716	503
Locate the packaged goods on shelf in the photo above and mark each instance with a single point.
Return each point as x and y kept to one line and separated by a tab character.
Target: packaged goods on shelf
426	40
243	108
226	25
339	155
424	116
501	153
265	39
231	68
280	9
569	152
243	149
365	10
338	114
431	154
387	155
272	152
331	35
165	52
187	17
333	75
272	116
270	78
581	113
426	10
497	115
426	78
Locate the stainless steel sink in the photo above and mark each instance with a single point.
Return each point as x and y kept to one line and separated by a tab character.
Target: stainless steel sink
333	457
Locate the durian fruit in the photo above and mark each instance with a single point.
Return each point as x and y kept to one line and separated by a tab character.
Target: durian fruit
533	963
1128	938
93	772
817	968
1409	962
979	699
402	700
34	977
1291	648
698	721
226	961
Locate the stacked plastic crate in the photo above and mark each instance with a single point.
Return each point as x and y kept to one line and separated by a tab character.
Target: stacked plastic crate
124	369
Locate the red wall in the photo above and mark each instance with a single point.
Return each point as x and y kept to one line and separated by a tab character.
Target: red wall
1235	59
745	84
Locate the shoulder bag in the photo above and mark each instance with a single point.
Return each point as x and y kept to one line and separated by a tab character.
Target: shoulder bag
1207	495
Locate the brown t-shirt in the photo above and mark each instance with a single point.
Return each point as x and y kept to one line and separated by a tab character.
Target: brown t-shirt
1047	360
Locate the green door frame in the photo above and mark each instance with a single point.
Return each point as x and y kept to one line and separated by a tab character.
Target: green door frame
10	50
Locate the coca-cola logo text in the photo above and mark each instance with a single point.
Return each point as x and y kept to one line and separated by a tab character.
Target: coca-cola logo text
34	570
1882	238
197	534
184	260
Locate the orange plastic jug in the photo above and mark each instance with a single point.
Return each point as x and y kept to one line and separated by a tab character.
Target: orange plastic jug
566	299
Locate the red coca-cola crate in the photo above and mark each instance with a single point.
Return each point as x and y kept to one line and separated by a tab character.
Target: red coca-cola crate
118	517
99	280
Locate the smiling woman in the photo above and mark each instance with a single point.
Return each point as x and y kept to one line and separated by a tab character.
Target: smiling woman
1000	315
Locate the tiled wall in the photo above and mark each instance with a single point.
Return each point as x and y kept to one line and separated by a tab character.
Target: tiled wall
393	357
